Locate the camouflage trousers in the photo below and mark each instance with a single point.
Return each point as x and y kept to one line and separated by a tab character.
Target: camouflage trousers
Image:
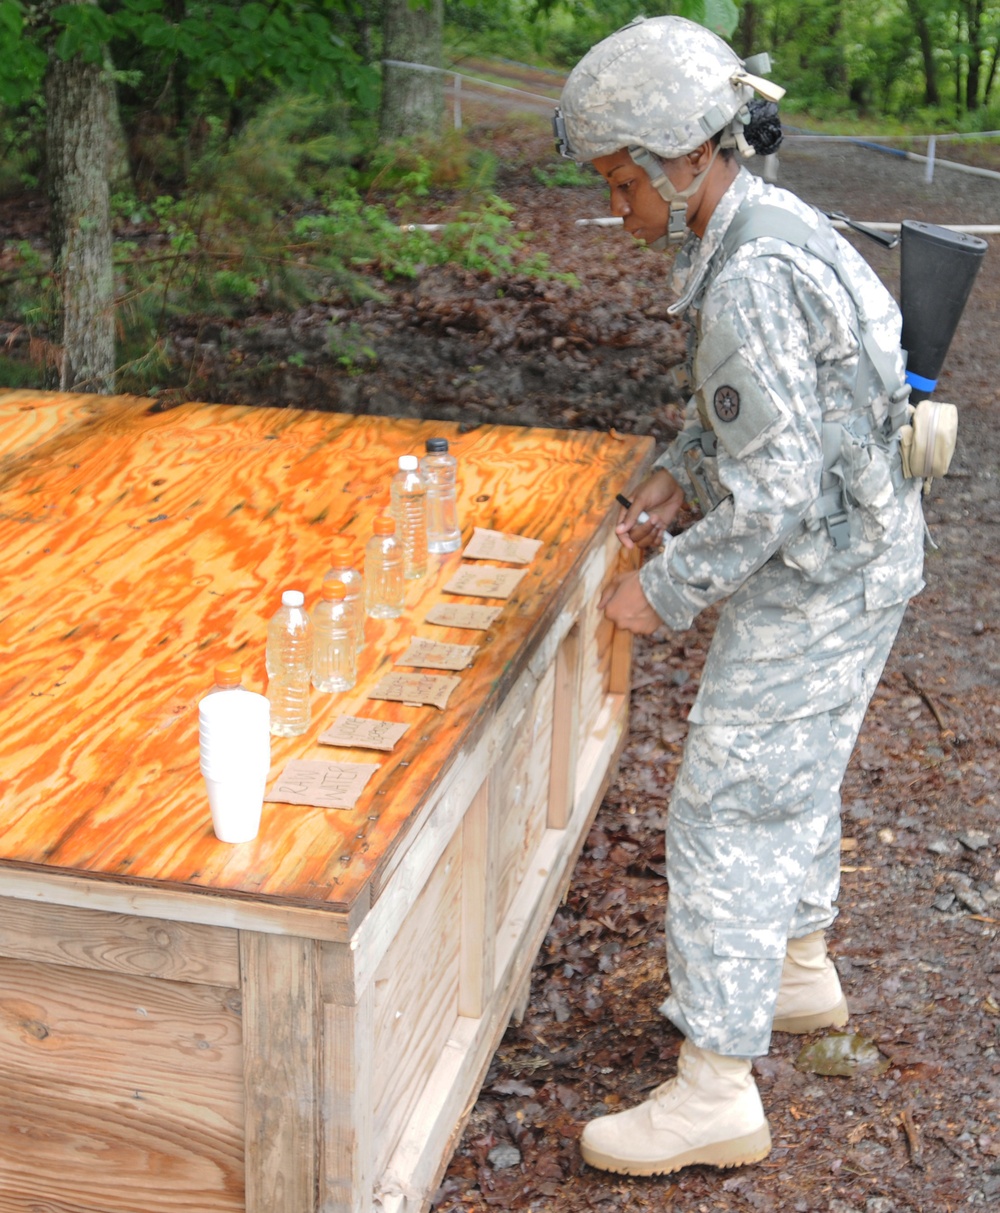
753	834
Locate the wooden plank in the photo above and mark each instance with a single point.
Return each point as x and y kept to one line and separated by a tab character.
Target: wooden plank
282	1021
41	887
119	943
416	999
521	790
565	730
479	895
348	1084
118	1093
170	536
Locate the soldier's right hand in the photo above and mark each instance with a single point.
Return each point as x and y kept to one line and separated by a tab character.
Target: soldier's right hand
661	497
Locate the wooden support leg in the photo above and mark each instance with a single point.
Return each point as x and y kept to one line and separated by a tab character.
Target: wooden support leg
348	1085
281	1071
621	645
479	912
565	731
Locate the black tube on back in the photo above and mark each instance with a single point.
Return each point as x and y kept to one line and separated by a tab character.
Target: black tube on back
937	270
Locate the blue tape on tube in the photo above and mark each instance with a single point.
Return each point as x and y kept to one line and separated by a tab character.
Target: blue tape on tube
920	383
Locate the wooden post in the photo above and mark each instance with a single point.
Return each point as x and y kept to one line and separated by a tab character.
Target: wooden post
281	1063
479	912
565	731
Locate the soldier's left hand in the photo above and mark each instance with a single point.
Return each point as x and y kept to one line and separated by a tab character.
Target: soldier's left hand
625	604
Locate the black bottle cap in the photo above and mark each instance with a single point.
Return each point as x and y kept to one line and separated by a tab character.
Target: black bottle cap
436	446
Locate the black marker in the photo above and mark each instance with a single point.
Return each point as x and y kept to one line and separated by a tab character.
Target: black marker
623	500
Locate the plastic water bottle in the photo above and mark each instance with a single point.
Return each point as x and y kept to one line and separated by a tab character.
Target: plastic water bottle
334	666
289	665
409	508
439	470
344	571
384	571
228	677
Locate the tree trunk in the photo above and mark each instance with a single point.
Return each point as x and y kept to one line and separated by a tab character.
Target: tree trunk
412	101
974	15
919	16
78	99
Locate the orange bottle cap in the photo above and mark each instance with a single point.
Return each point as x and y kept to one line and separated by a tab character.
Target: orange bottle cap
228	674
333	590
383	525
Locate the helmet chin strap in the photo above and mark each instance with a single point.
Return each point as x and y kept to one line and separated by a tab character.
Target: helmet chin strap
662	183
676	198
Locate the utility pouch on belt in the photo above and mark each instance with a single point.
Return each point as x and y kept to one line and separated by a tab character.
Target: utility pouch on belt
697	445
927	443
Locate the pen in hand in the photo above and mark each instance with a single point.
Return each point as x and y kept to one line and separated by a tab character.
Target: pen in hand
623	500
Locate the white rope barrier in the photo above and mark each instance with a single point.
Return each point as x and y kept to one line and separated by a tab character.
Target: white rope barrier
972	229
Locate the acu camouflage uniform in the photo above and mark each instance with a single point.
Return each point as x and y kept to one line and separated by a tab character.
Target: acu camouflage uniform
754	824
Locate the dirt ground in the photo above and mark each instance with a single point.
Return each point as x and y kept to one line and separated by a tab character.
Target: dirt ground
916	941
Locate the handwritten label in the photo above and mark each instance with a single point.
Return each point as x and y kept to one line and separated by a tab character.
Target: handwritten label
484	582
496	545
434	655
463	615
327	785
361	733
415	688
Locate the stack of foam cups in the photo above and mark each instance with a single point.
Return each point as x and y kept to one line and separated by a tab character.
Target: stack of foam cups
235	751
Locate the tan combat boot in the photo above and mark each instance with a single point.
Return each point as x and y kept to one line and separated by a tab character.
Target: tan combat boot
810	996
710	1113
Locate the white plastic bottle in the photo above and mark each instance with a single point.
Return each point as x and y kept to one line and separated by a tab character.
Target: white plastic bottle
289	665
343	570
409	508
439	470
334	665
384	571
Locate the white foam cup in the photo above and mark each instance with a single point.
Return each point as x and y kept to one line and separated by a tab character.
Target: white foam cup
236	804
234	743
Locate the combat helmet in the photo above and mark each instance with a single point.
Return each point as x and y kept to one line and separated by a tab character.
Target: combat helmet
662	85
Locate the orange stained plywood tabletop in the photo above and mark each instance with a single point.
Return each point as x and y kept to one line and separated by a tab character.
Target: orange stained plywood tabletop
138	548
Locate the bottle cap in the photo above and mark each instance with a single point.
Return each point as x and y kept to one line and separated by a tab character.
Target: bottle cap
436	446
407	463
228	674
383	525
293	598
333	590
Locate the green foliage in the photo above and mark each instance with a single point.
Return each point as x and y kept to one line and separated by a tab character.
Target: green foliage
564	173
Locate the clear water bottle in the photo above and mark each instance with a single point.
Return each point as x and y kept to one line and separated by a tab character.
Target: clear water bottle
384	571
228	677
409	508
439	470
343	570
334	665
289	665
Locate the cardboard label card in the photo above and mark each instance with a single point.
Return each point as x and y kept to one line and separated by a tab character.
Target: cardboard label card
361	733
484	582
434	655
416	689
496	545
459	615
327	785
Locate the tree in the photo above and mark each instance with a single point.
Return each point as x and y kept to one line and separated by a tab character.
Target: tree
79	100
412	101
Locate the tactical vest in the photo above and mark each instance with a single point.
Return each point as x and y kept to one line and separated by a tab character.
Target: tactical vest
862	428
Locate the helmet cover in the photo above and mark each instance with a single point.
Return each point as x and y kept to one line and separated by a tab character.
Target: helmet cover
665	84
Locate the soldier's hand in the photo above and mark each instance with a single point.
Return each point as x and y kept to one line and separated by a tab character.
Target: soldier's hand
625	604
661	497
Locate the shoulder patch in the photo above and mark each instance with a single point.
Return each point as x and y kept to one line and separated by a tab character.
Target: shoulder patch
727	403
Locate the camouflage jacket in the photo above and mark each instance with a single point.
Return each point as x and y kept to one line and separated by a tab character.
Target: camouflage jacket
776	354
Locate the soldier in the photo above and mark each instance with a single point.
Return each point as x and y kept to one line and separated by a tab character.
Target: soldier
809	532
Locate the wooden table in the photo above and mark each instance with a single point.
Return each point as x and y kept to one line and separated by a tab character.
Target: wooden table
300	1022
